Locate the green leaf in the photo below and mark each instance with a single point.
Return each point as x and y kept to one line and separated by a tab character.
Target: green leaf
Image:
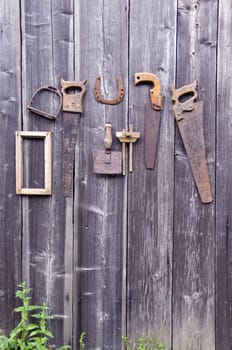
32	326
126	342
38	341
38	332
34	333
17	330
4	342
19	309
82	341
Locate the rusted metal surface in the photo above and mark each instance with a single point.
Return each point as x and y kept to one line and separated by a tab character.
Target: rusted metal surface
152	116
35	97
73	102
72	109
186	106
107	161
190	120
151	127
101	99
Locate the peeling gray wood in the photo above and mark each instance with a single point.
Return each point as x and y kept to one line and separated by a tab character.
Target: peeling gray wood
223	182
136	255
10	204
193	265
150	202
63	23
48	51
101	49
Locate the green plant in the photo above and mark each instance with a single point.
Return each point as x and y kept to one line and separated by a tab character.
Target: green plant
29	335
144	343
82	341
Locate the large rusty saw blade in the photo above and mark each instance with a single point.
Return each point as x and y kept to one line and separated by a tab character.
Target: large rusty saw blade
72	110
190	120
152	117
151	126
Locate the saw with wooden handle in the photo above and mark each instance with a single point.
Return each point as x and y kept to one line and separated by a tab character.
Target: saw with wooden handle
152	117
72	110
190	121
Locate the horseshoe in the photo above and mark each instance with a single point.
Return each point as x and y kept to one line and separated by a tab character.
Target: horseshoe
101	99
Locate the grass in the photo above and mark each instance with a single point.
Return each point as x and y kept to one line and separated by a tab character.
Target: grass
144	343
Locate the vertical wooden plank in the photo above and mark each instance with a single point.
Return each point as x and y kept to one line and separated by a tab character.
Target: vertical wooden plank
193	269
63	23
10	120
48	56
223	182
100	49
150	204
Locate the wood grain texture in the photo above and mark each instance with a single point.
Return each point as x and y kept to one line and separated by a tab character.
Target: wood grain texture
101	50
10	204
193	267
47	29
140	254
223	182
150	202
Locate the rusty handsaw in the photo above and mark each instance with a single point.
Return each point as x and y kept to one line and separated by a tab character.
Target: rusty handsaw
72	110
189	115
152	116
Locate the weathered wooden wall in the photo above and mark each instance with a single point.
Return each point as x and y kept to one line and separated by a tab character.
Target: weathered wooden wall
132	255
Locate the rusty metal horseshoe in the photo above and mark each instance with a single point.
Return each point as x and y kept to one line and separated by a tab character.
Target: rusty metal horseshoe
101	99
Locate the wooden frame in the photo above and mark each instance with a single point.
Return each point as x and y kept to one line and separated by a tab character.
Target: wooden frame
19	136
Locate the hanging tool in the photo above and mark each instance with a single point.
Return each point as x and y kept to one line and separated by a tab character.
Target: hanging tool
35	97
101	99
127	137
152	116
190	121
107	161
72	108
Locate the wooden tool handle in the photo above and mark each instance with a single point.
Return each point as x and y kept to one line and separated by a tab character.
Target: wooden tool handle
188	91
73	102
108	137
155	93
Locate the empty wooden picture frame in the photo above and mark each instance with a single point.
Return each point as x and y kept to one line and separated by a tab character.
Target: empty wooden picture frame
46	137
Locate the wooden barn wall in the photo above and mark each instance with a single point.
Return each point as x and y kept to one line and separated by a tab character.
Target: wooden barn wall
135	255
194	235
10	204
